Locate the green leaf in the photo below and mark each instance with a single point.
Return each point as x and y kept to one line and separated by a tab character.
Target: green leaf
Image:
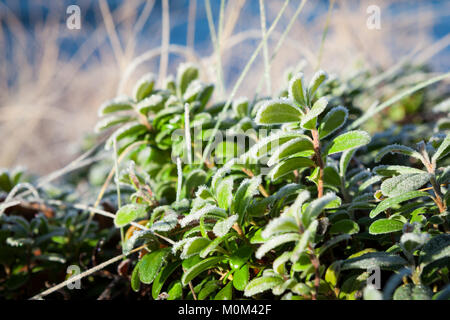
278	112
382	226
175	291
412	292
390	202
333	121
240	256
144	86
275	242
209	288
333	272
224	193
289	165
187	73
297	90
291	148
397	148
382	260
121	103
151	263
128	213
310	118
349	140
198	268
316	207
346	226
162	277
262	284
195	179
241	277
226	293
213	245
404	183
316	81
443	149
135	281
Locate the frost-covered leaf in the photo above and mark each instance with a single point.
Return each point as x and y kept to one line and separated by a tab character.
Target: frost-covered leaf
310	118
128	213
208	210
129	130
382	226
111	121
291	148
390	170
221	228
144	86
262	284
316	207
443	149
121	103
275	242
193	246
316	81
435	249
305	239
278	112
397	148
297	90
382	260
282	224
289	165
241	107
348	140
345	160
404	183
153	103
224	193
187	72
390	202
332	121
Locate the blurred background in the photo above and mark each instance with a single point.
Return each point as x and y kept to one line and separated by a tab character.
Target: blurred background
53	79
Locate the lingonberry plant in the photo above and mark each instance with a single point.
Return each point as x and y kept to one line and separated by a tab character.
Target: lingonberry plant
276	198
289	204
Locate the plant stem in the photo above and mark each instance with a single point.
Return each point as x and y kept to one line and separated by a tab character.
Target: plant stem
319	162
